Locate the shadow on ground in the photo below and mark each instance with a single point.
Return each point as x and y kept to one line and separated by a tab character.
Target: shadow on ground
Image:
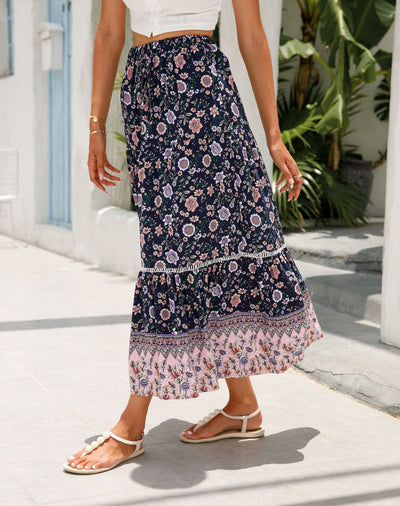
173	464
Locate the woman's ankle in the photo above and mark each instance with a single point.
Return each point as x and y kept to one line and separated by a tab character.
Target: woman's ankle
128	431
244	406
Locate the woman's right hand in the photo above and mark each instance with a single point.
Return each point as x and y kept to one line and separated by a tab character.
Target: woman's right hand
98	163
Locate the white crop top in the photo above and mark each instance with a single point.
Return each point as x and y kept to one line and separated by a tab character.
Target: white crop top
159	16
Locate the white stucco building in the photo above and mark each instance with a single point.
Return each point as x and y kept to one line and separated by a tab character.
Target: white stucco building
46	197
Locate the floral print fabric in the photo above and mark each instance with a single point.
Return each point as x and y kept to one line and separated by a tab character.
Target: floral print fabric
218	294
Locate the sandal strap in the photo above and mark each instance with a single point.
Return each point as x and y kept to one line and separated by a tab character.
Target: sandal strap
207	418
126	441
241	417
100	440
214	413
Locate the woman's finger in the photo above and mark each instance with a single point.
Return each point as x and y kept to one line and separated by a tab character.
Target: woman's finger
95	180
100	186
292	166
286	175
298	181
108	183
280	180
92	166
111	167
296	189
109	176
100	167
284	188
93	173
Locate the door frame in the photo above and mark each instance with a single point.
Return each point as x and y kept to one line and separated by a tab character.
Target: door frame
59	214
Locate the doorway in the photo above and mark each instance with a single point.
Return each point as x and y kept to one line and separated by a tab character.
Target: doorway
59	212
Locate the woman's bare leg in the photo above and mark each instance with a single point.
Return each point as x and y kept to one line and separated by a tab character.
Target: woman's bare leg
130	426
242	401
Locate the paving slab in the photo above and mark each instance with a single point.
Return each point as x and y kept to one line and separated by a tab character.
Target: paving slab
354	293
352	359
12	493
63	371
357	249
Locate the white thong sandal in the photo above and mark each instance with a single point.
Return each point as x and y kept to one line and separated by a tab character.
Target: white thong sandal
241	434
138	451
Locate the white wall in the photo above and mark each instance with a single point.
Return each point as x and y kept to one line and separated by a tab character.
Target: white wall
98	225
24	123
271	11
390	322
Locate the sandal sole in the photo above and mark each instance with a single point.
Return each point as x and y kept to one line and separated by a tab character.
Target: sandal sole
73	470
226	435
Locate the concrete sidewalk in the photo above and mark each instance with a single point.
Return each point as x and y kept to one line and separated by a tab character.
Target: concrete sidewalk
343	272
64	380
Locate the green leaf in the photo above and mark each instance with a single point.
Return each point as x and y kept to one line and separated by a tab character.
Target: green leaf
296	124
365	69
384	59
118	81
344	201
119	137
382	101
295	47
335	29
332	121
372	19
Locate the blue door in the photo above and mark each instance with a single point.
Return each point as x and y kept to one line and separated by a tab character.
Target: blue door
59	11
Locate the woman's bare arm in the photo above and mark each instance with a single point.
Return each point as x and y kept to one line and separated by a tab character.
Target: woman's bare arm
108	44
254	48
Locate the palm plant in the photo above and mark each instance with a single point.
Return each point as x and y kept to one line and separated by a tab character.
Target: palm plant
382	98
323	194
310	116
349	38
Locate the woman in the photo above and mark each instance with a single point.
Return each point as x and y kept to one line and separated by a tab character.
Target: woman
218	294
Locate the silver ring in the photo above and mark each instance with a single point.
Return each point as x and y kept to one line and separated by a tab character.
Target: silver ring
298	175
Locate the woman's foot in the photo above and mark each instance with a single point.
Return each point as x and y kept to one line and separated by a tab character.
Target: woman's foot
110	452
221	423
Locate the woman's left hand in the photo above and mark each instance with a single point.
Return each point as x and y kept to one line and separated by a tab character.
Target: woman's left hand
285	162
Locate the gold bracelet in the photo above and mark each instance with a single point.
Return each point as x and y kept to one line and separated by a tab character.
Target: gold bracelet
97	131
96	119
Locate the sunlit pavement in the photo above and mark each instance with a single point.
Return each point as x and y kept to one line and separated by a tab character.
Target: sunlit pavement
64	380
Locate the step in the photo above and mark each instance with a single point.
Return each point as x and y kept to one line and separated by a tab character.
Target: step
351	359
358	249
353	293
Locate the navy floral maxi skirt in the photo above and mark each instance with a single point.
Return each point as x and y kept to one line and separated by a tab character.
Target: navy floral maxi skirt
218	294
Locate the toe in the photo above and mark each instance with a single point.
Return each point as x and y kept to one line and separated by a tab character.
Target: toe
100	464
189	430
75	457
189	434
79	463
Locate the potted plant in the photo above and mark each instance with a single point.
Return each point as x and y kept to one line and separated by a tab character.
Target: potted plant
324	117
